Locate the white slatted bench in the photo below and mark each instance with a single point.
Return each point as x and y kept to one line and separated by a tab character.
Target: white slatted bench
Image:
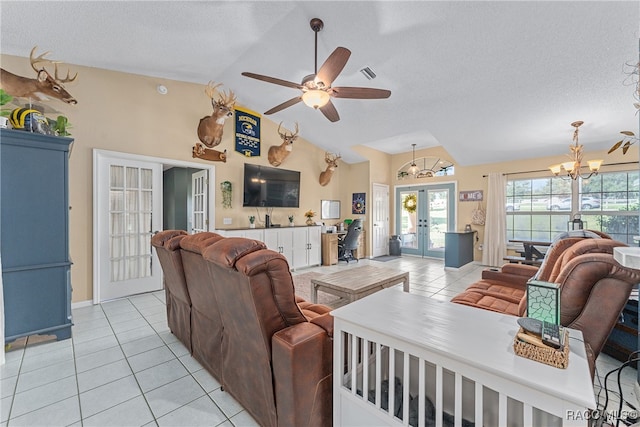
460	357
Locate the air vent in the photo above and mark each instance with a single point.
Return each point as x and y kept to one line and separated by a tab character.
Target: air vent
368	73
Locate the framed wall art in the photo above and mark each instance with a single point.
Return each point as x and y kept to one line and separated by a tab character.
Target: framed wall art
358	205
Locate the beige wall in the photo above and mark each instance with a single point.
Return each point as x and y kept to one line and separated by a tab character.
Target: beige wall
123	112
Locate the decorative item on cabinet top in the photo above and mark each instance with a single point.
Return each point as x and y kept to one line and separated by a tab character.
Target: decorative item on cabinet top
310	214
43	87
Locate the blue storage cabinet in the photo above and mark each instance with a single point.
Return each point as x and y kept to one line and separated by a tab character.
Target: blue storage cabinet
34	234
458	248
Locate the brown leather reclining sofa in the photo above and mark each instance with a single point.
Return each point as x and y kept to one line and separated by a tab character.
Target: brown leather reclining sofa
232	302
594	288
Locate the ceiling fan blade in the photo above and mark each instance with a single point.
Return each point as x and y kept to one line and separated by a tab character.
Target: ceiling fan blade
333	66
330	112
286	104
272	80
359	93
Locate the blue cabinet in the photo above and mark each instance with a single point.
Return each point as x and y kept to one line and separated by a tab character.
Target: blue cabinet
34	234
458	248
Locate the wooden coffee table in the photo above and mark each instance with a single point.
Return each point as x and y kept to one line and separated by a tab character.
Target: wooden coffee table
358	282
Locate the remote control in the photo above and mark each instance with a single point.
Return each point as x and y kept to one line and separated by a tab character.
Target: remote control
551	335
533	326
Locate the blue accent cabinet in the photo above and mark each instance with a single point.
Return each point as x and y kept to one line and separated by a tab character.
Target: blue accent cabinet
34	234
458	248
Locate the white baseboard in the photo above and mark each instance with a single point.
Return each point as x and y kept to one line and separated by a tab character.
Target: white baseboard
81	304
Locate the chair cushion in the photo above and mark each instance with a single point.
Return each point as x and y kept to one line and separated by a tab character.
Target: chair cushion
228	251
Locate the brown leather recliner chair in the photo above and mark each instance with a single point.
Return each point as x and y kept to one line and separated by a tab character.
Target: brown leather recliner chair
276	362
167	244
594	289
206	325
501	290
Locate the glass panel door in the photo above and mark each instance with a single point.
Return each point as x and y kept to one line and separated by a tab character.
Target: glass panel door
423	215
199	202
128	210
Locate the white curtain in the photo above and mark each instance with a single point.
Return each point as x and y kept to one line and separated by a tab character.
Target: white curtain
495	235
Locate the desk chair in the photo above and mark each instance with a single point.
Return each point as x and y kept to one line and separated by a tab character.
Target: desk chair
350	241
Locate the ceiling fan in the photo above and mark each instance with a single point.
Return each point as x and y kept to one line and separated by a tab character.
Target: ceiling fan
316	88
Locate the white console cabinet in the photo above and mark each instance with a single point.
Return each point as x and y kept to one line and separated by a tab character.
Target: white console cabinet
299	245
281	241
306	247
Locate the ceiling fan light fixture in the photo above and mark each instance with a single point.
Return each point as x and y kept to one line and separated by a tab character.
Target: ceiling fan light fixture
315	98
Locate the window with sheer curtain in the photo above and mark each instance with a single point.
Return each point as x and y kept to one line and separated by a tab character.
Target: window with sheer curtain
540	208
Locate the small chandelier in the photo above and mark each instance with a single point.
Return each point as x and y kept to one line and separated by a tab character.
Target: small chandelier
315	98
573	167
413	169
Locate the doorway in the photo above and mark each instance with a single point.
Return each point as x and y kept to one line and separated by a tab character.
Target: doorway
380	220
127	210
423	214
184	199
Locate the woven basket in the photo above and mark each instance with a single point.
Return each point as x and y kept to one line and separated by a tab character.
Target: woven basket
548	356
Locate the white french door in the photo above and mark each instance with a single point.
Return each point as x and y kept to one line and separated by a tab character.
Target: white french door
127	209
199	190
380	220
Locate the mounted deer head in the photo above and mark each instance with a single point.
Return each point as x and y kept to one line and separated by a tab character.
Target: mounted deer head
210	127
277	153
43	87
332	163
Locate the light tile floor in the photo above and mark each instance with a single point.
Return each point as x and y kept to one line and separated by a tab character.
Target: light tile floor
123	367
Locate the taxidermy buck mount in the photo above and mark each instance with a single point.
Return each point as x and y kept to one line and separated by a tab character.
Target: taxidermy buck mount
211	127
332	163
43	87
277	153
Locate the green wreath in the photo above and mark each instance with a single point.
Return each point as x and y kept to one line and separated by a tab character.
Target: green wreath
410	203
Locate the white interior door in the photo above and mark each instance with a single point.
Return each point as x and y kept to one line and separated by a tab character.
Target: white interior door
199	190
128	209
380	220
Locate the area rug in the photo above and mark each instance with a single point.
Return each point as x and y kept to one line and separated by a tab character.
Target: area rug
302	283
385	258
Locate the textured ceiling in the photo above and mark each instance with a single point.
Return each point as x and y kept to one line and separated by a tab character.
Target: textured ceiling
489	81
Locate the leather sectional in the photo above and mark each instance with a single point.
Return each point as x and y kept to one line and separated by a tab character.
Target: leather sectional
231	301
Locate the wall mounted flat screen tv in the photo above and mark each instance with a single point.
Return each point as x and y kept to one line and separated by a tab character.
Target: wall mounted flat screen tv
271	187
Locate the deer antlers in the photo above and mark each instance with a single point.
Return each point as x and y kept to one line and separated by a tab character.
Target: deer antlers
284	135
226	99
332	163
41	59
277	153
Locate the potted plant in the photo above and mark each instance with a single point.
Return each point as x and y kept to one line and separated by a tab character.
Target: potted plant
252	220
291	224
310	214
